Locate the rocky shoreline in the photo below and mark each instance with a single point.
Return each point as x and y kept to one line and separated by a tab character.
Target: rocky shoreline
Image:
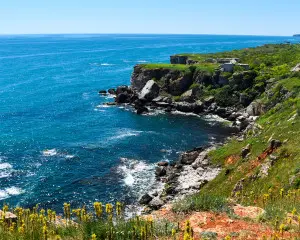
173	90
193	169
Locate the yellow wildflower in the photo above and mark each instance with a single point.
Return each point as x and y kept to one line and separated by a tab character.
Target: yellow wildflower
109	208
98	209
94	237
118	208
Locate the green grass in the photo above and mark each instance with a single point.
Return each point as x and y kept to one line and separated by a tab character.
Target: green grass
179	67
202	202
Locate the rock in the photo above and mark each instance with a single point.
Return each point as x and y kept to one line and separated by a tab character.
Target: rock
180	85
245	151
141	109
145	199
112	91
209	100
160	171
244	99
163	164
254	109
238	187
9	217
102	92
123	89
274	144
110	103
156	203
122	98
188	96
149	91
158	99
198	107
184	106
188	157
296	68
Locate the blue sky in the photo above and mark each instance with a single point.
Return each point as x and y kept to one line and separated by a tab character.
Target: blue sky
253	17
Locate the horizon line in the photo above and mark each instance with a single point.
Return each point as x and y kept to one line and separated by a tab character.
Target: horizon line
195	34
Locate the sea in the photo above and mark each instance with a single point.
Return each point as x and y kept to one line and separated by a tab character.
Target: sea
60	143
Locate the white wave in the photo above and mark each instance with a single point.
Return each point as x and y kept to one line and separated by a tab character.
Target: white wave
5	166
10	191
124	133
103	106
142	61
49	152
3	194
155	112
214	119
99	110
107	64
14	191
137	174
69	156
185	114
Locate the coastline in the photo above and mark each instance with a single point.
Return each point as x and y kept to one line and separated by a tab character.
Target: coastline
192	170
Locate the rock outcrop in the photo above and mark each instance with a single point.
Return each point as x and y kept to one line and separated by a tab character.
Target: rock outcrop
149	91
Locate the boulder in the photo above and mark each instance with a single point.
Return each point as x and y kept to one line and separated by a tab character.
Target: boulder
188	96
123	89
198	107
160	171
254	109
178	86
156	203
188	157
163	164
112	91
102	92
145	199
245	151
274	144
209	100
141	109
122	98
150	91
184	106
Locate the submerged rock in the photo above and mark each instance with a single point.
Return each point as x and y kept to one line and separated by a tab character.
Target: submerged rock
102	92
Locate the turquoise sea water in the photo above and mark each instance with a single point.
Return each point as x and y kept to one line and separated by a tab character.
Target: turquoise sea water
59	143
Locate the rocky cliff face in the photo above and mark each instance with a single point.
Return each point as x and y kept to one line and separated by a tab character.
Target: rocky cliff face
174	82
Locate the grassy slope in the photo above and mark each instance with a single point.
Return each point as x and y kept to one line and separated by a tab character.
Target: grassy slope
277	193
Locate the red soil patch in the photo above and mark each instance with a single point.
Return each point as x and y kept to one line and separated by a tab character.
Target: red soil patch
247	212
232	160
223	226
220	223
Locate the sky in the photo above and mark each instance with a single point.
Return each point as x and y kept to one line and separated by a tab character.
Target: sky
239	17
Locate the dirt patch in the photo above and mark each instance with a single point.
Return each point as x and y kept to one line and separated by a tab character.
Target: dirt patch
247	212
